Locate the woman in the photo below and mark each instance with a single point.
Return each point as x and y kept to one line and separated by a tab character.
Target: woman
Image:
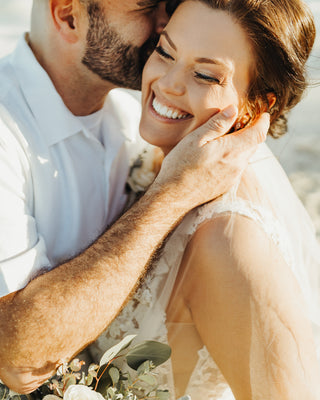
237	282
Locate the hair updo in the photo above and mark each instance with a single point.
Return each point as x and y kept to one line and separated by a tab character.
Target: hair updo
282	33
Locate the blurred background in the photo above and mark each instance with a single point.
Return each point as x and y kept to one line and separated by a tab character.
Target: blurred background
298	151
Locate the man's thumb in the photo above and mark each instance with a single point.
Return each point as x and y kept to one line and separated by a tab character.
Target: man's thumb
218	125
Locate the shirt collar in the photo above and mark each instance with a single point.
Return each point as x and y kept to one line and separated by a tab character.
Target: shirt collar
55	120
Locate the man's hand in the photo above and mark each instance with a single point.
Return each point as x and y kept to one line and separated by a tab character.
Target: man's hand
207	162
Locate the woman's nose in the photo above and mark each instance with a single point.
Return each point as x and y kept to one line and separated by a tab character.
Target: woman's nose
172	82
162	18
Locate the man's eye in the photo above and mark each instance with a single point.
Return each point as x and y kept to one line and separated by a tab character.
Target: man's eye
149	9
206	78
149	6
163	53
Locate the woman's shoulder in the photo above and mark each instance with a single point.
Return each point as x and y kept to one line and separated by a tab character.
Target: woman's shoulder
231	243
228	235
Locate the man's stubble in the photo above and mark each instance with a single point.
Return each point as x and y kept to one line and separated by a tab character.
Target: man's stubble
109	56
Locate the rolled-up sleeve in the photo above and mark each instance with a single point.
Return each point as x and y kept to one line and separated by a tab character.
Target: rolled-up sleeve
22	249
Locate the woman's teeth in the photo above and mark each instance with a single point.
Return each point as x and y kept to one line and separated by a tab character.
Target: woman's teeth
167	112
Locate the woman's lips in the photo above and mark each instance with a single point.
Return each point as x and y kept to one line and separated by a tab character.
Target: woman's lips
167	113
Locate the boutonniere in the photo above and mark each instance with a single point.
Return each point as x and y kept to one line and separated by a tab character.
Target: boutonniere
144	169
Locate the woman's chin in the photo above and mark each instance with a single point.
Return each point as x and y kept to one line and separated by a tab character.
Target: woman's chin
151	135
162	137
166	147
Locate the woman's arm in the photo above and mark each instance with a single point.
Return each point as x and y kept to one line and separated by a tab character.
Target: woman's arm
248	310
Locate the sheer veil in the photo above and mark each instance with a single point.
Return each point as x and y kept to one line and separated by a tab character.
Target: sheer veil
300	245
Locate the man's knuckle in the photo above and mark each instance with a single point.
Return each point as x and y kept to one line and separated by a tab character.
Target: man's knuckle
216	125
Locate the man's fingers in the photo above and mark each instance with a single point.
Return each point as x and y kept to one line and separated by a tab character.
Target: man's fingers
218	125
255	133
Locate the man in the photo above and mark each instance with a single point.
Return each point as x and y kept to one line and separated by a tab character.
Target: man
63	168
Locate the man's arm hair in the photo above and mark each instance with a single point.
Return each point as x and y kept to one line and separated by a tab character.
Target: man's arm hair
64	310
59	313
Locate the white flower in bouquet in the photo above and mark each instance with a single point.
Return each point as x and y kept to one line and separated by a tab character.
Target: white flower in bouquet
81	392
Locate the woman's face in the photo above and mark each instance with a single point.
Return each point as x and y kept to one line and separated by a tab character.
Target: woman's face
202	64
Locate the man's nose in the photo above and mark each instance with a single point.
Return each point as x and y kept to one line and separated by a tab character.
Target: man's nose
162	17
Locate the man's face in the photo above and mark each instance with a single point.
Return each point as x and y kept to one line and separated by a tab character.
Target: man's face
121	35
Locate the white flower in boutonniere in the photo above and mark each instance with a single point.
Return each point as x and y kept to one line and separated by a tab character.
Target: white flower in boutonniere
144	169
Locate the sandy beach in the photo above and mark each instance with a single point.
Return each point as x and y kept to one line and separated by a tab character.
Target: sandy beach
298	151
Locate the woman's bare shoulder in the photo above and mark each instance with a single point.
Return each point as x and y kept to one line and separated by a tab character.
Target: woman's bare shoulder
232	254
230	236
230	246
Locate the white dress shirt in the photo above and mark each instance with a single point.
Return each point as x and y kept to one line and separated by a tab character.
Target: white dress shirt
59	186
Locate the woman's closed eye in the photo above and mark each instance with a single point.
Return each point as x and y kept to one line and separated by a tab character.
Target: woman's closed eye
207	78
159	49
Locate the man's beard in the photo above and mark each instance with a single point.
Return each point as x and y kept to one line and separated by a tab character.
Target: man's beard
108	56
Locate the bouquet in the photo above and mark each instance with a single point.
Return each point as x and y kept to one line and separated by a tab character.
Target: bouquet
133	378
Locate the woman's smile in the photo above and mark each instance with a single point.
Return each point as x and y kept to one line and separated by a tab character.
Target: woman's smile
165	111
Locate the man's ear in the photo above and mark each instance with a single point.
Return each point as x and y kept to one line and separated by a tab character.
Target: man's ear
66	18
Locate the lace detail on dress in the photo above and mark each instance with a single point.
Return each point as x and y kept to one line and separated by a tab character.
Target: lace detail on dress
144	315
206	381
136	318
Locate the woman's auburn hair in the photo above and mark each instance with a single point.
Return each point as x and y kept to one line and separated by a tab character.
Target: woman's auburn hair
282	34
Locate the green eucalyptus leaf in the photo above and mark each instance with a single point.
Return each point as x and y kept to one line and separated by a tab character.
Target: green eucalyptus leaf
105	380
4	392
149	379
111	393
68	381
162	395
93	368
144	368
156	352
89	379
115	350
83	380
130	381
75	365
115	375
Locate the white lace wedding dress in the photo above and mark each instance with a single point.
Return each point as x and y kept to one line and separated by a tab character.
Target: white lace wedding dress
283	219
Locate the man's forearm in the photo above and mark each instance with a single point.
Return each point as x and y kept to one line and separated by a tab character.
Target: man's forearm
60	312
64	310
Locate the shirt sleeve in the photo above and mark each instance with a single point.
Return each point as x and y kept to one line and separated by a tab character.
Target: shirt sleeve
22	249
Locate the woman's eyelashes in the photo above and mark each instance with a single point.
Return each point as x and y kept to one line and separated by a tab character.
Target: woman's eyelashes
159	49
207	78
198	75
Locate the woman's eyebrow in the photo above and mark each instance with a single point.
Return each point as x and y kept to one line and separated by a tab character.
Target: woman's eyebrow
204	60
166	35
